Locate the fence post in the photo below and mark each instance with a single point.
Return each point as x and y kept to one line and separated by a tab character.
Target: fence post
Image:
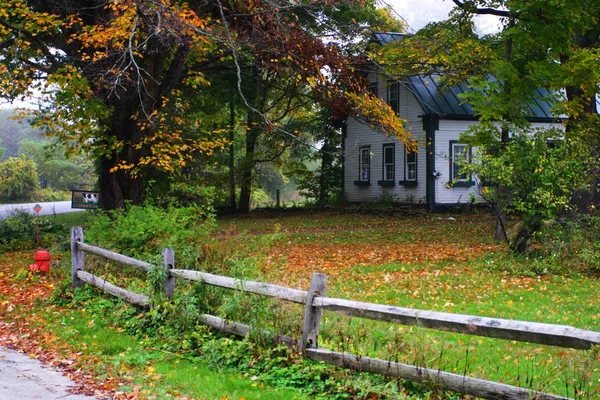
312	315
77	260
168	263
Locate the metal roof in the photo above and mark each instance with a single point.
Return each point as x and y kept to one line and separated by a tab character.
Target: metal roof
386	37
445	101
436	99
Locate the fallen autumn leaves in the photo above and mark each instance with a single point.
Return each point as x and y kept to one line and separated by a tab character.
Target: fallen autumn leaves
22	328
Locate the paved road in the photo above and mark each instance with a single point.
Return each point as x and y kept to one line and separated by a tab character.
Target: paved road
24	378
57	207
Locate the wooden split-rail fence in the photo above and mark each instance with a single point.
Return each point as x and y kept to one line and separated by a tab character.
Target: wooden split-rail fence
315	301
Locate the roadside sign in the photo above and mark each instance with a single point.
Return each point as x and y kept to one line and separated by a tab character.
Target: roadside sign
86	199
37	208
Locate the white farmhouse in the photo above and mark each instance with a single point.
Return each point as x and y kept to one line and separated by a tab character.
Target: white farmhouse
377	166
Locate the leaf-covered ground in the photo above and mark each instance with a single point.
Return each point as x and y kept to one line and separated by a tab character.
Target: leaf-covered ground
432	262
425	261
27	331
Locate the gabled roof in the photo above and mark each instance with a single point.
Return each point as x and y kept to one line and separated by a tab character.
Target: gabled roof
445	101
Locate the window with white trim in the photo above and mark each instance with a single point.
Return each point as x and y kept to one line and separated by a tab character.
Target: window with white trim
410	165
364	164
389	164
460	156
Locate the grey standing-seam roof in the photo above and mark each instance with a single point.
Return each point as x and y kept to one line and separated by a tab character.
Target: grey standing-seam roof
444	101
436	99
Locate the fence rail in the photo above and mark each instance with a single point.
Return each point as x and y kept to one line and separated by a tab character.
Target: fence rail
314	301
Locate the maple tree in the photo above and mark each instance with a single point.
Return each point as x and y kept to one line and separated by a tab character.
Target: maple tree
110	77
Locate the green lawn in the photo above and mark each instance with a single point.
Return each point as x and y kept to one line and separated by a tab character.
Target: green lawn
431	262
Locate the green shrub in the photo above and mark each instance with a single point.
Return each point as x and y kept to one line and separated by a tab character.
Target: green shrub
182	193
143	231
18	179
48	194
573	242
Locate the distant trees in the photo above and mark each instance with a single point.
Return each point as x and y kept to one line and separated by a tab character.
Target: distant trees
18	179
55	170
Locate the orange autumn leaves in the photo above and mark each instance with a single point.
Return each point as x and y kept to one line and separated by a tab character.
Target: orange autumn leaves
336	260
27	332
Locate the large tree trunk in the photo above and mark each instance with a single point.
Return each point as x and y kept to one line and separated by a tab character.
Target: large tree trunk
129	124
117	185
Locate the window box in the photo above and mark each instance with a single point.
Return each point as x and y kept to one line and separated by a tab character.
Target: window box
408	183
362	183
460	184
386	183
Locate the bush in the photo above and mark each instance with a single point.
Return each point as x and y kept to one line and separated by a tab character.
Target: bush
143	231
52	195
572	242
18	179
182	193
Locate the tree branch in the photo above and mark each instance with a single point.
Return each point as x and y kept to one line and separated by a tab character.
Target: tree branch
469	5
34	39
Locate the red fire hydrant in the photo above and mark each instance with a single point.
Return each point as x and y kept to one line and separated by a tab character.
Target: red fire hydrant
42	261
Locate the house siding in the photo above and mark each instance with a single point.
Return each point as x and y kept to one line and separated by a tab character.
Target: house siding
359	134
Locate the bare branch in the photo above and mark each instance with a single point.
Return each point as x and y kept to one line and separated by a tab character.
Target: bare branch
469	5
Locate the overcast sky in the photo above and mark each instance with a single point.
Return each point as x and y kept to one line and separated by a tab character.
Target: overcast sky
417	13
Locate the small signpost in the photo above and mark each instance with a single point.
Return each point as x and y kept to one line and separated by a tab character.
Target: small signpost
37	208
86	199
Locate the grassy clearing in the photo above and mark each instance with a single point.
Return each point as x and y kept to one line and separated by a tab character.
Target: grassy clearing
152	373
430	262
424	261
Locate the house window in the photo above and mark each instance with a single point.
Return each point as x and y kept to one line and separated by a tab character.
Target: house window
388	165
372	88
410	165
364	164
460	155
394	96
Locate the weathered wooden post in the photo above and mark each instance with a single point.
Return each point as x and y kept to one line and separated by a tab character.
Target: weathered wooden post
312	315
77	261
168	264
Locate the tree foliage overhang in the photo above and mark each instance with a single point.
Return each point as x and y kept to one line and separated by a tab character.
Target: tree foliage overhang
110	77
